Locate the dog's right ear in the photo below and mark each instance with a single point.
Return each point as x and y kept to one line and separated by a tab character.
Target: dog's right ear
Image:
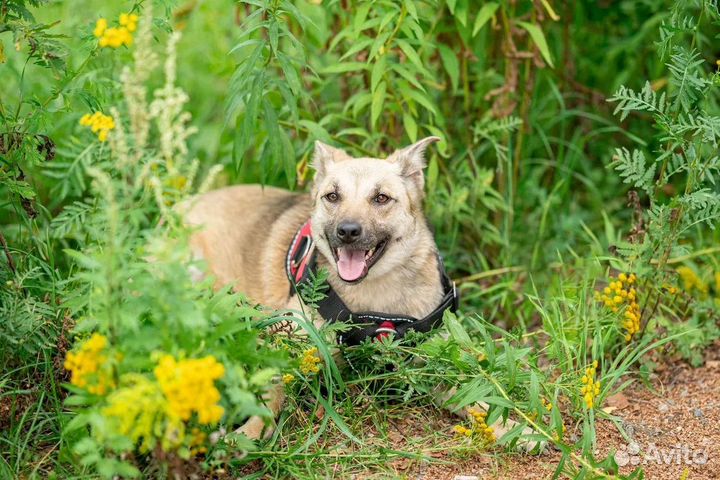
324	156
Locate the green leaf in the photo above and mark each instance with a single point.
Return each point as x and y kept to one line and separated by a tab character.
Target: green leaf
511	434
377	73
456	330
461	12
417	96
451	64
471	393
273	34
378	101
407	75
291	74
410	126
360	16
343	68
411	54
316	130
539	39
410	6
486	13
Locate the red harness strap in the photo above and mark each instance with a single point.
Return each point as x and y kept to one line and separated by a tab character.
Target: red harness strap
300	251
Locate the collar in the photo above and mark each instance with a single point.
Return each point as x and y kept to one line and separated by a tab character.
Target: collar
300	265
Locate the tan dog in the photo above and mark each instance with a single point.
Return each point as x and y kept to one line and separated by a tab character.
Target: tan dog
357	206
367	225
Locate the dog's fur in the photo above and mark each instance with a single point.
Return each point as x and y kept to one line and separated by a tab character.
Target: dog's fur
245	232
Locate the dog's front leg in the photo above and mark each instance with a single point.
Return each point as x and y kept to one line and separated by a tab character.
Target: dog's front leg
500	427
274	399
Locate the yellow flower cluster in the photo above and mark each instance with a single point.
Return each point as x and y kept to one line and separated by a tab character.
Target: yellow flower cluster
288	378
87	366
98	123
548	406
197	442
692	281
309	362
116	37
139	412
590	388
479	427
189	387
462	430
622	292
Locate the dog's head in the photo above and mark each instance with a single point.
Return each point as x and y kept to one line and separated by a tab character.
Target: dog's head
367	212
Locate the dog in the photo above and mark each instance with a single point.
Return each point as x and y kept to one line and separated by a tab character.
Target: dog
364	223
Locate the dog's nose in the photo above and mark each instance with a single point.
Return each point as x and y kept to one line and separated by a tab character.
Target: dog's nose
348	232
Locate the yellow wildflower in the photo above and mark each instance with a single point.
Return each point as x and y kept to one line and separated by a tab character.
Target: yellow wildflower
288	378
477	416
692	281
140	412
88	366
619	293
461	430
100	27
309	362
115	37
189	387
590	388
99	124
197	442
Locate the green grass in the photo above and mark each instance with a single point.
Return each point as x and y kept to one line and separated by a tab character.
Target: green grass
527	195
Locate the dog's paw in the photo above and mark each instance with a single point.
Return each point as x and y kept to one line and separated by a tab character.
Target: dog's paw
256	429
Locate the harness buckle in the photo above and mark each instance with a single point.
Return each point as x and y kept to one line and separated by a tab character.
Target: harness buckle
456	298
385	329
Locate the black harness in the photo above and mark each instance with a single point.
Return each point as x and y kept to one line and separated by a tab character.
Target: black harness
300	263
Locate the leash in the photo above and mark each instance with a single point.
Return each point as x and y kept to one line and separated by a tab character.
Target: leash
300	263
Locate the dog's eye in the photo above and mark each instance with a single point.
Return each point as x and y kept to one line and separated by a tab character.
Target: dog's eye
381	198
332	197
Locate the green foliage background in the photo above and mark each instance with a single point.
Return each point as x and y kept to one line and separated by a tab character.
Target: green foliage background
527	192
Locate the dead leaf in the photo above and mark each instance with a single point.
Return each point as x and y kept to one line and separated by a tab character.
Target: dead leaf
617	401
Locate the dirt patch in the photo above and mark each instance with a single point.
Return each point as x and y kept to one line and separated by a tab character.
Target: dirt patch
673	432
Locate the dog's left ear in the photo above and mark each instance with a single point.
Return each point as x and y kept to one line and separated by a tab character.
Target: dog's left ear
325	155
412	160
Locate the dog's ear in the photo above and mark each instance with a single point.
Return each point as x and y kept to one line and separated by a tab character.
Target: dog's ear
412	160
325	155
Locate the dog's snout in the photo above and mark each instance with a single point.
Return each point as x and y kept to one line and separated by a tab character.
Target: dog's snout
348	232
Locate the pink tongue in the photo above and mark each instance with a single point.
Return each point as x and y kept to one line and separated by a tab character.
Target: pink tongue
351	264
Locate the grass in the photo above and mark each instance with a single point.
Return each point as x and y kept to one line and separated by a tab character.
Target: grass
530	209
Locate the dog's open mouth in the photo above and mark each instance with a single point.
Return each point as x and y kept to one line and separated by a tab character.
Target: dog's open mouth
353	265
